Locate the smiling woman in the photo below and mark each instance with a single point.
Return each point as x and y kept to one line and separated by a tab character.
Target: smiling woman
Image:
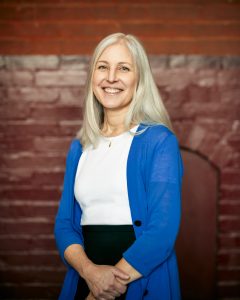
119	213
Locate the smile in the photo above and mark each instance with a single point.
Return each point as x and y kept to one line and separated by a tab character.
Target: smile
112	91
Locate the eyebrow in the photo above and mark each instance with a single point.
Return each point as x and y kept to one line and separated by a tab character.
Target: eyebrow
120	63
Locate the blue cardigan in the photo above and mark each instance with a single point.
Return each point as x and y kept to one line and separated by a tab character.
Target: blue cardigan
154	180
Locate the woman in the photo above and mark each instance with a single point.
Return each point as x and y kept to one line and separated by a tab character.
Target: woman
119	213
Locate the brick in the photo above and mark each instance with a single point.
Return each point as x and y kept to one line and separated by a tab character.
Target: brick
30	129
34	162
61	78
18	78
28	193
222	155
229	224
3	94
229	290
23	46
182	129
30	176
176	61
30	258
234	141
228	207
203	61
220	126
35	94
2	61
32	275
52	144
228	275
234	162
175	29
230	61
229	77
56	113
198	93
85	30
230	241
205	78
72	96
171	78
20	111
196	137
230	192
155	45
74	62
75	12
187	111
229	95
32	62
228	259
48	178
26	226
69	128
230	176
159	62
176	97
17	12
26	291
27	210
210	140
19	143
29	29
24	243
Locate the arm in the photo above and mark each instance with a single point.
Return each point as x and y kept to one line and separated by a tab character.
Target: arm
100	279
64	232
128	269
163	194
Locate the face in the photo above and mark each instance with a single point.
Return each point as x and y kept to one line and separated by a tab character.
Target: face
115	77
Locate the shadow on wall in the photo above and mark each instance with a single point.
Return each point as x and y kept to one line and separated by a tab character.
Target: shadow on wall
196	244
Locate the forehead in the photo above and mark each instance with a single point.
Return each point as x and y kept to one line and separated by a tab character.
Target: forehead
117	52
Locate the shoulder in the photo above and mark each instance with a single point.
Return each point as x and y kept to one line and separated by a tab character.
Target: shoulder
158	134
75	148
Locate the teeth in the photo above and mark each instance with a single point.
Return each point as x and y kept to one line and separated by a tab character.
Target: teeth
112	90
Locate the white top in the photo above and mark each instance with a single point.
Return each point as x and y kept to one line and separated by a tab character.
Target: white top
101	181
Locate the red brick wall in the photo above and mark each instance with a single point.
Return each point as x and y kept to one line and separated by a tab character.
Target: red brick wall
40	111
74	27
40	107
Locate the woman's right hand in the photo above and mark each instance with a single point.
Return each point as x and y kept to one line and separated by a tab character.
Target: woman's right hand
102	281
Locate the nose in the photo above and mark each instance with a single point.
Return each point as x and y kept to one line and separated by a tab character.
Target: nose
112	75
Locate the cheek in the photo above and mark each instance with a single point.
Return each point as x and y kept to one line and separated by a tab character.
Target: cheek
132	84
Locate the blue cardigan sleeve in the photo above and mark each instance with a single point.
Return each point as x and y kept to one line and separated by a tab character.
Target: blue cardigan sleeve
163	191
64	229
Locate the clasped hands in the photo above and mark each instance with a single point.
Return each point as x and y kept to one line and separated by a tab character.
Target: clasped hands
105	282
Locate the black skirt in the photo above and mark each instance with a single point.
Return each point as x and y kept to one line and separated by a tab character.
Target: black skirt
104	245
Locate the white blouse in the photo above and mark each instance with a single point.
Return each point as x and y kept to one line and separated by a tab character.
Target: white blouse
101	181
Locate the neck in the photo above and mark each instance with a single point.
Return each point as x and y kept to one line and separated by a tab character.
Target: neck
113	122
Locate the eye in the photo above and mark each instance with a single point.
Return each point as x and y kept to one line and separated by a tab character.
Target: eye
102	67
124	69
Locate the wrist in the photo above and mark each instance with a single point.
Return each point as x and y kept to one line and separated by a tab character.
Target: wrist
86	269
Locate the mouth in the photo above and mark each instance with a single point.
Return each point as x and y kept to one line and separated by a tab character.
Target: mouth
112	91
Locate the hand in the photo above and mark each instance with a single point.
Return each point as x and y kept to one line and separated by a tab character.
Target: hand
102	281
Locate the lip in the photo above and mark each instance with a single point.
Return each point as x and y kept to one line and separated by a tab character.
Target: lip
112	90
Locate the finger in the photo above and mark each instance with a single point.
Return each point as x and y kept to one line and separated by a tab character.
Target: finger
119	273
119	287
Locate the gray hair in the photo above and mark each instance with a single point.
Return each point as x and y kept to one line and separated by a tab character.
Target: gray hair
146	106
